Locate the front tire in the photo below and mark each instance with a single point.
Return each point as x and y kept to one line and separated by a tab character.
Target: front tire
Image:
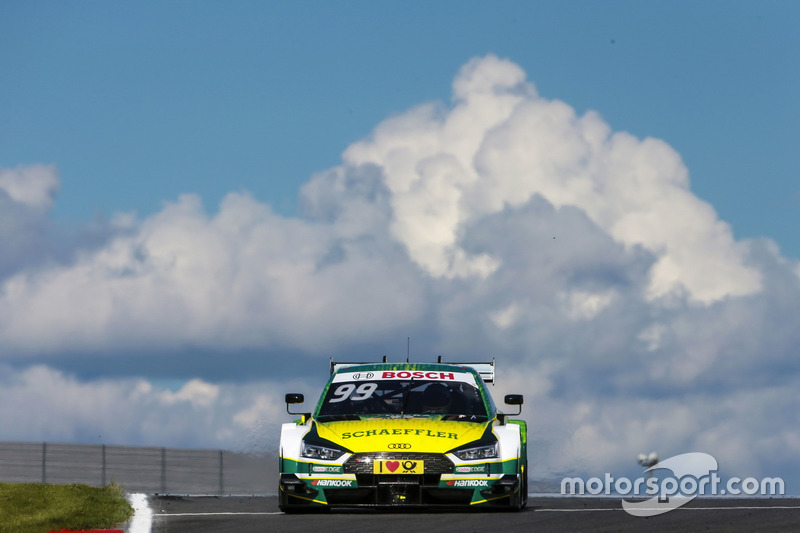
521	498
523	492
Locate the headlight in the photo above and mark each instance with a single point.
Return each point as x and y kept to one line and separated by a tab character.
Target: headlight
312	451
481	452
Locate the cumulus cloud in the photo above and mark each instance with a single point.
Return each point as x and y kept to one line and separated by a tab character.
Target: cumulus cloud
34	186
29	240
26	194
499	224
501	144
244	277
43	404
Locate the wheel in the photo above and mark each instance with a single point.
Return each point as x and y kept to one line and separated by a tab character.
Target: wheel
521	499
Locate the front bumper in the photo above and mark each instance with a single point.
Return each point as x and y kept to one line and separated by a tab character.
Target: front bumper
369	490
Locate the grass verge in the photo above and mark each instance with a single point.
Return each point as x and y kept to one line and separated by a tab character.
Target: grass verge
38	508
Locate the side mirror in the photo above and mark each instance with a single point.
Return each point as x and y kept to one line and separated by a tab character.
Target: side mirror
511	399
514	399
296	398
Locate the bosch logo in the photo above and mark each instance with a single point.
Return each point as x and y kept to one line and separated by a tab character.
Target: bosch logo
399	446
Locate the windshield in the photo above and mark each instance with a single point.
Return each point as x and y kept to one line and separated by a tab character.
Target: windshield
456	400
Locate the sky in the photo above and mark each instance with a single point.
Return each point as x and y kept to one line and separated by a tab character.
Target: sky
202	202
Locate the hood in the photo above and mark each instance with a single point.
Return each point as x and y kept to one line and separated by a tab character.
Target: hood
422	434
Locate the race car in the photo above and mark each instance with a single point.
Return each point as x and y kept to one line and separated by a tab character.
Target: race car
404	435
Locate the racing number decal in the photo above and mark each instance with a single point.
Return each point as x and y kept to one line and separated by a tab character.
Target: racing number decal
363	392
341	393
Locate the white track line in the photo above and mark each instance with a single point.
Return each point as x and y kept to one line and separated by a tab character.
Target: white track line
743	507
217	514
142	514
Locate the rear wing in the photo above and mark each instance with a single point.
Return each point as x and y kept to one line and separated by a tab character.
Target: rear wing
484	370
335	367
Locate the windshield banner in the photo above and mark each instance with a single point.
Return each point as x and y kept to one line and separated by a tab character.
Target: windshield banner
405	375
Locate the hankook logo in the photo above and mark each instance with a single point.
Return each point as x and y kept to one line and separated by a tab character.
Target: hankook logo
399	446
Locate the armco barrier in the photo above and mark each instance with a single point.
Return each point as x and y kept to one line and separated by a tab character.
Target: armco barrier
139	469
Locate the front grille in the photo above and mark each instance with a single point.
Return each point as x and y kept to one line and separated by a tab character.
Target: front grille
435	463
373	480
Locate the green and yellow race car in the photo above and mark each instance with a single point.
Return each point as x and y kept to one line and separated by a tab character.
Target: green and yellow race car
402	435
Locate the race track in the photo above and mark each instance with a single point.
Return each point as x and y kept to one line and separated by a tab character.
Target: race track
260	514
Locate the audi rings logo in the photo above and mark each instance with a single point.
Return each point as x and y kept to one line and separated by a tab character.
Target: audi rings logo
399	446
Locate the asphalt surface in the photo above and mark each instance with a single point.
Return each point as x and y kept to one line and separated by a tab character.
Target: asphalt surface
543	514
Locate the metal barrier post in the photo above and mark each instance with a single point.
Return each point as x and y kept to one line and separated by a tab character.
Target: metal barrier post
221	486
44	462
163	470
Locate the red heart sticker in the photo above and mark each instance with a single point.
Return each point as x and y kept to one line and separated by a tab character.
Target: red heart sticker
392	465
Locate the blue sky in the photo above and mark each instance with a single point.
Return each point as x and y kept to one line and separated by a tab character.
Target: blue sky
201	202
139	102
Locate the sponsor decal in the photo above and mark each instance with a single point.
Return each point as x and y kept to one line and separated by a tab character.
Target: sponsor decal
398	467
468	483
399	446
404	375
418	374
479	469
400	431
338	483
326	469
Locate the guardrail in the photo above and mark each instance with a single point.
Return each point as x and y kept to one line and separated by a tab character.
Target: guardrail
139	469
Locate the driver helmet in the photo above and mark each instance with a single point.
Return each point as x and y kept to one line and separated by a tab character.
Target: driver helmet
436	398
